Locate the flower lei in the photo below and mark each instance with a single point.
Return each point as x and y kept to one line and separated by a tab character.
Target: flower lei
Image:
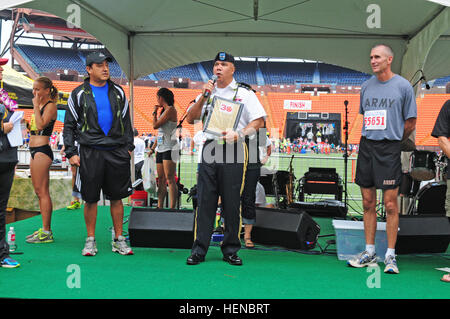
9	103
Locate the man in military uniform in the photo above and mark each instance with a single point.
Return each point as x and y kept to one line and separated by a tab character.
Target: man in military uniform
223	161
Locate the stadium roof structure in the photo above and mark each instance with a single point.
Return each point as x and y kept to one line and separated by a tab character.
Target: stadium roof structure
149	36
47	23
158	35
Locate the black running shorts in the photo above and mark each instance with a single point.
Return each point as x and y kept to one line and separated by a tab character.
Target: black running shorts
163	156
45	149
379	164
107	170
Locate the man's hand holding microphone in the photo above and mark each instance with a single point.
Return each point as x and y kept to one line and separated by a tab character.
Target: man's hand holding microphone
209	86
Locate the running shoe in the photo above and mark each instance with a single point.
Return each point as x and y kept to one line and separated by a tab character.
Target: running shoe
74	205
120	246
363	260
40	237
391	265
9	263
33	234
90	247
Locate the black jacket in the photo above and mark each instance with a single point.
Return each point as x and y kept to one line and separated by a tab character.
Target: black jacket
81	120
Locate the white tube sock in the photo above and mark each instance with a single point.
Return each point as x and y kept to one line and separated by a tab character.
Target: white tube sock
370	249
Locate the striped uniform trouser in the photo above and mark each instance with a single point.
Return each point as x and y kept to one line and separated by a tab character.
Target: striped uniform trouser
221	173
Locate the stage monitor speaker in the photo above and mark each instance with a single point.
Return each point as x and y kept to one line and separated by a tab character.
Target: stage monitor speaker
158	228
325	208
423	234
295	230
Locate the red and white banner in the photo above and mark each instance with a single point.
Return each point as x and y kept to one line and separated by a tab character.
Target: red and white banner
298	105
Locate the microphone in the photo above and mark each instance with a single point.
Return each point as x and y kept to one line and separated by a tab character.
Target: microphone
208	92
345	102
427	86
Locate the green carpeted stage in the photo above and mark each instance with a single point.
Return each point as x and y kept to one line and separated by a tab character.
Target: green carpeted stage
58	270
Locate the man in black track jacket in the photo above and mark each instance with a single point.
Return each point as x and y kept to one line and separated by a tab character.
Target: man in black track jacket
98	118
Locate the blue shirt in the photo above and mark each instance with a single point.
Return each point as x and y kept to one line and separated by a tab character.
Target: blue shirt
386	106
104	112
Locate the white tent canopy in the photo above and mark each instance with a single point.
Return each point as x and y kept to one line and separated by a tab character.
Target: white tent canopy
153	35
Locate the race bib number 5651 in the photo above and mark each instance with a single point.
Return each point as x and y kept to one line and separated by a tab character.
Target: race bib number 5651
375	120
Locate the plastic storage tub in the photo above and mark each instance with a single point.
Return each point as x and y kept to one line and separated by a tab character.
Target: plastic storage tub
350	239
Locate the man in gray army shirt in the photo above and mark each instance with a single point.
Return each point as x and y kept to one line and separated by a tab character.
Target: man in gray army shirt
388	104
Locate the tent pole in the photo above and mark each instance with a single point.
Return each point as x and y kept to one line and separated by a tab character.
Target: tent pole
131	94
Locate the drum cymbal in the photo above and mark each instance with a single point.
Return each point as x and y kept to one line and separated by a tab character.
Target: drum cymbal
422	174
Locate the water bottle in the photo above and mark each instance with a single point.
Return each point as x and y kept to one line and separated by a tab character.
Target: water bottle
12	239
63	161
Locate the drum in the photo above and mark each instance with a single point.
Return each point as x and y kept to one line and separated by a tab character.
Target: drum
408	186
282	179
422	165
431	199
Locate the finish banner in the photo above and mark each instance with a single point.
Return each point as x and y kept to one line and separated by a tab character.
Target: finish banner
298	105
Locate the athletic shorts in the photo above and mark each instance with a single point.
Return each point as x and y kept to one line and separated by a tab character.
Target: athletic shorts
163	156
107	170
45	149
379	164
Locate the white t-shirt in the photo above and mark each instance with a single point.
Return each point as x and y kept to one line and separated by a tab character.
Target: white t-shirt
252	109
139	150
260	199
263	150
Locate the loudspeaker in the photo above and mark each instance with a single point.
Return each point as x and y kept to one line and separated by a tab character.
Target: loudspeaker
423	234
158	228
325	208
295	230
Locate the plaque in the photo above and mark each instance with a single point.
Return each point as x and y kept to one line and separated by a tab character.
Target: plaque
223	115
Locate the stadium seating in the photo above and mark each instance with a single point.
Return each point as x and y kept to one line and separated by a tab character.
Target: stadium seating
189	71
332	74
287	73
442	81
52	59
428	109
47	59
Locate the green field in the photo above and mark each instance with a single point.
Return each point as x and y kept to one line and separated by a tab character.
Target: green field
301	164
59	271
